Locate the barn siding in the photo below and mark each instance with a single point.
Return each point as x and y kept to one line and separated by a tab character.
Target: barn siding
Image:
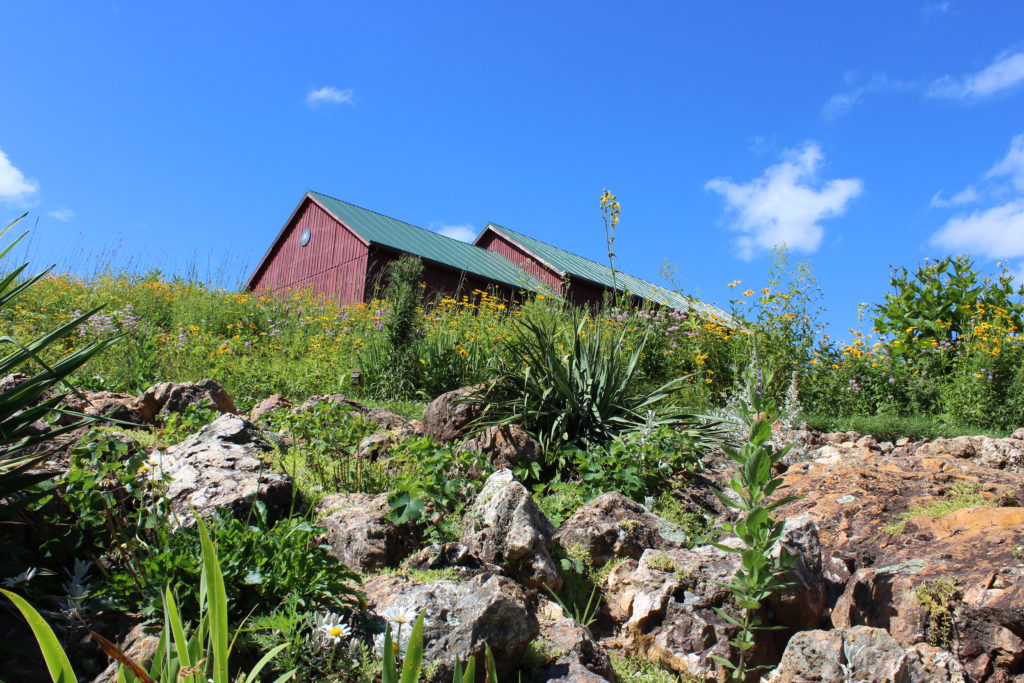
333	264
491	241
439	280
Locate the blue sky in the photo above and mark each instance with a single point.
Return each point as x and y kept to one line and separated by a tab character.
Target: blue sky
862	134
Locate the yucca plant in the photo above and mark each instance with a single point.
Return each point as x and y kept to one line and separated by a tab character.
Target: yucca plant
580	388
180	657
27	403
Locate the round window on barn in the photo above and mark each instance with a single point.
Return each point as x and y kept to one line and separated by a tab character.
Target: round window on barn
304	239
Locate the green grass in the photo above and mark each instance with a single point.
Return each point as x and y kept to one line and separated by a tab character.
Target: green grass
893	427
962	494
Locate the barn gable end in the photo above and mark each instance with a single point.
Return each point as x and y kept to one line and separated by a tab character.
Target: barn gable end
332	262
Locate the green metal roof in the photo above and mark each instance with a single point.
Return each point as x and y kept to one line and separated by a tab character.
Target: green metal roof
401	236
584	268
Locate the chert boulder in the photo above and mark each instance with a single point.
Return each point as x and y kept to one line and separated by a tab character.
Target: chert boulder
360	534
505	527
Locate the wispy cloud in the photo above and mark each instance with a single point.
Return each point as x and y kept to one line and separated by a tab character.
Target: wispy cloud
941	7
329	95
786	204
63	215
462	233
968	195
1006	72
1012	165
841	103
14	186
996	231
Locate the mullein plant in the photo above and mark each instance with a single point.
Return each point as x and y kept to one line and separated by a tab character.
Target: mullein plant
199	657
751	490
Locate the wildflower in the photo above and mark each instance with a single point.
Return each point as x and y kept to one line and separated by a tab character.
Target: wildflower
749	292
403	618
332	630
23	577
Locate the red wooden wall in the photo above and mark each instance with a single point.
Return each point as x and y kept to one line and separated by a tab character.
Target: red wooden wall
439	280
333	263
492	241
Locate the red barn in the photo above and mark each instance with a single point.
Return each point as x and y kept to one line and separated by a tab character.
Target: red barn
341	250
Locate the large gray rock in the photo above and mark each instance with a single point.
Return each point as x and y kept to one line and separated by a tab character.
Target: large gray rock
123	407
574	655
461	617
447	417
359	533
506	446
175	397
505	527
611	526
802	604
864	654
222	467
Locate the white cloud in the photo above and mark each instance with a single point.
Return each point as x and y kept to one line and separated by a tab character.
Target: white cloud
1006	72
1012	164
14	186
329	95
786	204
463	233
843	102
968	195
63	215
997	232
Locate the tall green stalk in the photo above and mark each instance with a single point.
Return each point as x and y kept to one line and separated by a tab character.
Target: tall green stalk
754	484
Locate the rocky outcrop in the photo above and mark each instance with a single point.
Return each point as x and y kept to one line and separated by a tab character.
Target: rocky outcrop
447	417
573	655
611	526
461	617
668	603
173	397
506	446
863	654
221	467
360	534
505	527
270	404
922	545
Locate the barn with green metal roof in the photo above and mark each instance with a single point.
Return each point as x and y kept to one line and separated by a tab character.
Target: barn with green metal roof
341	251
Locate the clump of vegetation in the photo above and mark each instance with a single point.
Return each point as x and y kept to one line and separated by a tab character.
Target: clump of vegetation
962	494
938	598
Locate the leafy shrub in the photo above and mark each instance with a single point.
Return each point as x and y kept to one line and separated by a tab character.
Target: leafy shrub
940	299
435	485
179	426
262	566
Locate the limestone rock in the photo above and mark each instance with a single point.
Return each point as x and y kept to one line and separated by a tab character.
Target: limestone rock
270	404
359	533
505	527
461	617
611	526
575	655
506	446
669	604
174	397
863	654
221	466
110	404
447	416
